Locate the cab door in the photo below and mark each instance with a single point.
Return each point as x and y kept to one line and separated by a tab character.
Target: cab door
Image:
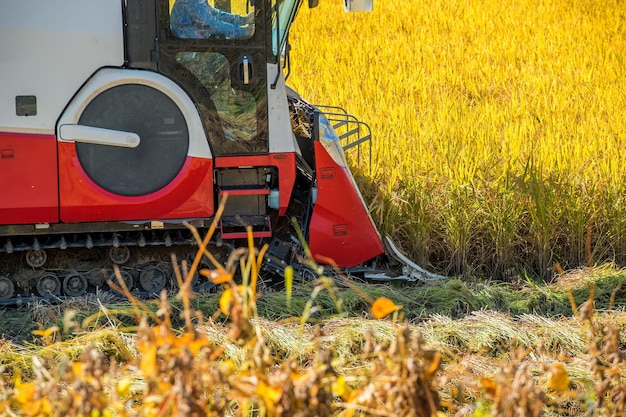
218	56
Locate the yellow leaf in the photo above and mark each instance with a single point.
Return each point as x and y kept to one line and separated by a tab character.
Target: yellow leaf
229	297
123	387
148	363
383	306
270	395
558	377
25	393
46	333
339	388
17	381
434	364
77	369
489	386
289	284
193	341
217	276
227	367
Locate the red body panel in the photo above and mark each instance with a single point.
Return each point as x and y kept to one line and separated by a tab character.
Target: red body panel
285	162
341	228
189	195
28	179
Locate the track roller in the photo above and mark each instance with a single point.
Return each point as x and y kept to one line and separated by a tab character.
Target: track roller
7	289
74	284
97	277
36	258
194	279
48	284
126	277
153	278
119	255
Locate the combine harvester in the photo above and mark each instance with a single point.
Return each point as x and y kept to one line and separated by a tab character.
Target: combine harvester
122	120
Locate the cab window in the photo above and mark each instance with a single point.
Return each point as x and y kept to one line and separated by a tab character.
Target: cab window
237	109
202	19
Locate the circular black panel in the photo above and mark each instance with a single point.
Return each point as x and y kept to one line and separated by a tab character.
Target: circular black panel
163	134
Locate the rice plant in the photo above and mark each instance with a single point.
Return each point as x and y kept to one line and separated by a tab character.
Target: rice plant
498	126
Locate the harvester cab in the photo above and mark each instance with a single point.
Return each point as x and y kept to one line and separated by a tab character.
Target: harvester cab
121	120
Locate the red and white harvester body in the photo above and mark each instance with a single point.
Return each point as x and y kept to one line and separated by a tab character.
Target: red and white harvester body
114	132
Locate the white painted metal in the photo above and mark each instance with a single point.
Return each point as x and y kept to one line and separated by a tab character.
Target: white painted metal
282	138
107	78
99	136
49	49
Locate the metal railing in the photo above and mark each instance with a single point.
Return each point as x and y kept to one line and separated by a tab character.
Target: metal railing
352	132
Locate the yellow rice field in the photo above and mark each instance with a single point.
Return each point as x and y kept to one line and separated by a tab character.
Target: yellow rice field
499	128
498	151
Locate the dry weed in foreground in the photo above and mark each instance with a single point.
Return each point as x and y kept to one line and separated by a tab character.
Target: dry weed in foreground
171	372
606	359
513	392
184	373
